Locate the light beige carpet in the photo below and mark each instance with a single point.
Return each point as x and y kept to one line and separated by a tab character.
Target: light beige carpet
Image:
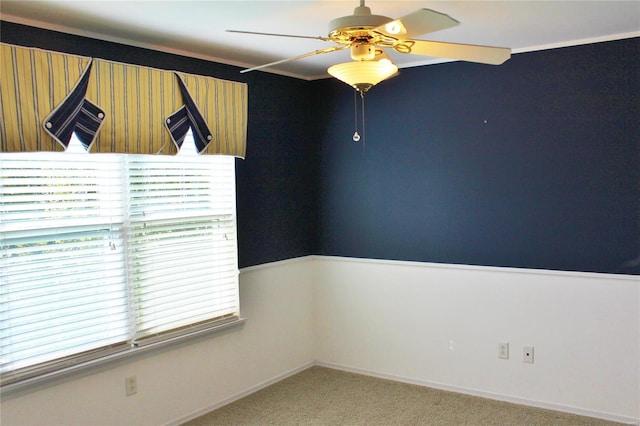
323	396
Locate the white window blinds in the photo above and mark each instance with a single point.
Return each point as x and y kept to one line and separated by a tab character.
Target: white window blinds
63	284
103	252
181	235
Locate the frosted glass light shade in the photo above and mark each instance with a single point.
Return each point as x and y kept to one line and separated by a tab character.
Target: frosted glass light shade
362	75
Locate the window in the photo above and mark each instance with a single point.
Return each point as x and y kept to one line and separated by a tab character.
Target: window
102	253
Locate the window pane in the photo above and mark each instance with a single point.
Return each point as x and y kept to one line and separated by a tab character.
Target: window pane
182	241
62	256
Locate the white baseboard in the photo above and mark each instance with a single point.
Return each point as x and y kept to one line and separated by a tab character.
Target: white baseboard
484	394
240	395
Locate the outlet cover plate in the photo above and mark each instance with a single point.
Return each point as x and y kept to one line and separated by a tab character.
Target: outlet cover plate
527	354
131	385
503	350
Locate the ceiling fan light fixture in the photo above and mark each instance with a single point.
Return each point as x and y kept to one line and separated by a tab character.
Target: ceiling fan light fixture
363	75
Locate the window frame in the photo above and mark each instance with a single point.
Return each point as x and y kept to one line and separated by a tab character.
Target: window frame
73	364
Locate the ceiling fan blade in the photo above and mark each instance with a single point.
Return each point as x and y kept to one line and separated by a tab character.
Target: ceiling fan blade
295	58
466	52
279	35
422	21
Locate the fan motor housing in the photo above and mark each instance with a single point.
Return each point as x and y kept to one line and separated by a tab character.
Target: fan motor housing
355	26
362	51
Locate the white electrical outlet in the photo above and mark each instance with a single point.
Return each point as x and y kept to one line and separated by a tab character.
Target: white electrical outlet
503	350
527	354
131	385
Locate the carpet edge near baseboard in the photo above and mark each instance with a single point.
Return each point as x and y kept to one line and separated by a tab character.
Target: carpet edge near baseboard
484	394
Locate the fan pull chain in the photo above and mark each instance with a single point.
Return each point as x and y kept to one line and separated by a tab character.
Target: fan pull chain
364	139
356	135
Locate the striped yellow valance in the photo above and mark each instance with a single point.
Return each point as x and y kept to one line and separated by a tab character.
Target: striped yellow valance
113	107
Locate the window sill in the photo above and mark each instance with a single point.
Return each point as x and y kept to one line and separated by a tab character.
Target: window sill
50	378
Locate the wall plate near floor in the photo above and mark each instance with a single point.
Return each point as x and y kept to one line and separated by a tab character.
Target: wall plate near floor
131	385
503	350
527	354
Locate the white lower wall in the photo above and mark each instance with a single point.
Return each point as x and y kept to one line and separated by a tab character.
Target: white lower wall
440	325
437	325
178	383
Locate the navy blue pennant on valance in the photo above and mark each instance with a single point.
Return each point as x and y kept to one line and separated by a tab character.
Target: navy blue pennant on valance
75	114
179	122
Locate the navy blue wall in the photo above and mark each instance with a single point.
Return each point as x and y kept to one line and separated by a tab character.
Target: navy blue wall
277	182
534	163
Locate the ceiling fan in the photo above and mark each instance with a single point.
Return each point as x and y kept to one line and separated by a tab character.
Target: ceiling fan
368	36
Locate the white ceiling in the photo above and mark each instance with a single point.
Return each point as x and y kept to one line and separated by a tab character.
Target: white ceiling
197	28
